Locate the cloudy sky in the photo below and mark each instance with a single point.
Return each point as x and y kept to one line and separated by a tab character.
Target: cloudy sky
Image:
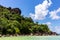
42	11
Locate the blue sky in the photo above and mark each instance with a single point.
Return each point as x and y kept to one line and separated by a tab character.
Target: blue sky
42	11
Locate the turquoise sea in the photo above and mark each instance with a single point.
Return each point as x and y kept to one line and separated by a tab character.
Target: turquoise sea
31	38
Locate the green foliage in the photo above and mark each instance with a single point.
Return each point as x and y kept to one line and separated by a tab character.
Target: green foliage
11	22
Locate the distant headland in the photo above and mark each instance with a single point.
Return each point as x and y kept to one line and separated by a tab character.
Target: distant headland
13	23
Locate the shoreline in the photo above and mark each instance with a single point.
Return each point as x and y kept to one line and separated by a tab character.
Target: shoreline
24	35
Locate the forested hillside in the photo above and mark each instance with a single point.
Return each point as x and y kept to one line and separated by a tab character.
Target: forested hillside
12	22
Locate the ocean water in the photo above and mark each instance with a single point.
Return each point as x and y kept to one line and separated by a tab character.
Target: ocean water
31	38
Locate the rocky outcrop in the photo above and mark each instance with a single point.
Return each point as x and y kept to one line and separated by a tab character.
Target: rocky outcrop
16	10
12	10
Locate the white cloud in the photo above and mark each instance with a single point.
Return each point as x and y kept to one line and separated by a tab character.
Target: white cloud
53	14
57	29
54	29
49	25
41	10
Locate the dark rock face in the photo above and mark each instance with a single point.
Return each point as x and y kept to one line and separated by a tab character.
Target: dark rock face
53	33
14	10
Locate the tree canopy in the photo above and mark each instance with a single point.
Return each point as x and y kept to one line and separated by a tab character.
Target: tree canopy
12	22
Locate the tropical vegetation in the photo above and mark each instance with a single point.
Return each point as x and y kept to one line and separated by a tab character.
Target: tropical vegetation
12	22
